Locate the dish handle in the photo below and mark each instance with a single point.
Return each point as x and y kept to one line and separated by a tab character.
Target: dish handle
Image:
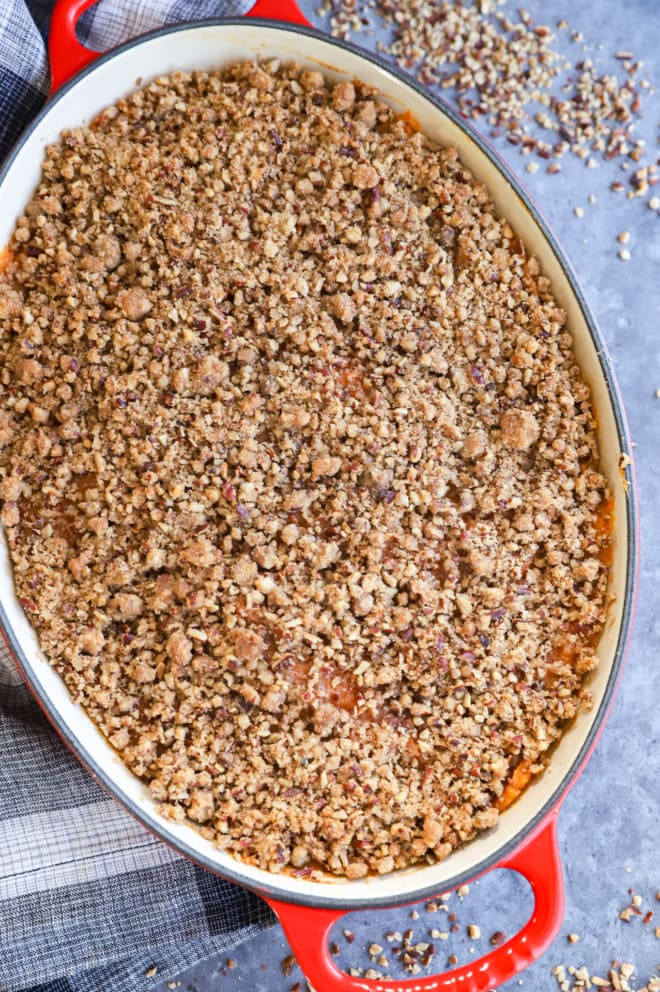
308	929
67	56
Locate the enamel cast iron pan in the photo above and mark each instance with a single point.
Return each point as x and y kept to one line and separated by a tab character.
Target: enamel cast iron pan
525	837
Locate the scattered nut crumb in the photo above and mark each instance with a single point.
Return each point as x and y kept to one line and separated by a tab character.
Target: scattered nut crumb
288	964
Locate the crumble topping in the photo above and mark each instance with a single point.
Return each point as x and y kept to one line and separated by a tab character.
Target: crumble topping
298	472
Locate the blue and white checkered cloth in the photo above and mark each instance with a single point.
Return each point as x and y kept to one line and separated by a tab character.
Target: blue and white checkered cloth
89	900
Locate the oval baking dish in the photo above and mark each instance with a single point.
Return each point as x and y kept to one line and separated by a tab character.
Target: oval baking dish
525	836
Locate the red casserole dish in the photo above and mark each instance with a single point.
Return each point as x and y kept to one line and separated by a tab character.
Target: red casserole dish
525	838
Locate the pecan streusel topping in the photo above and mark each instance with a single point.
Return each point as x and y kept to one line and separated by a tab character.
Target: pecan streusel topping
299	474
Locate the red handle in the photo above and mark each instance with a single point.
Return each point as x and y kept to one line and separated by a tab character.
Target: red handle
308	930
67	56
279	10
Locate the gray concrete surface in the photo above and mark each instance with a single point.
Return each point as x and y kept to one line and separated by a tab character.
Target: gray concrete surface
609	823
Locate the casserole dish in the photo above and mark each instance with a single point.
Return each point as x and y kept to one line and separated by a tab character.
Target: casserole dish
525	837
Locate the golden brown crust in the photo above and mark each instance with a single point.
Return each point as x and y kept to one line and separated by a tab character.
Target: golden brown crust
298	471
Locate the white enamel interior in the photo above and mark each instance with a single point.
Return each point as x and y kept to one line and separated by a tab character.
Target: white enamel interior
207	47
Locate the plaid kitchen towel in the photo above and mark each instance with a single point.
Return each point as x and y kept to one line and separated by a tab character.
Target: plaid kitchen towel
89	900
